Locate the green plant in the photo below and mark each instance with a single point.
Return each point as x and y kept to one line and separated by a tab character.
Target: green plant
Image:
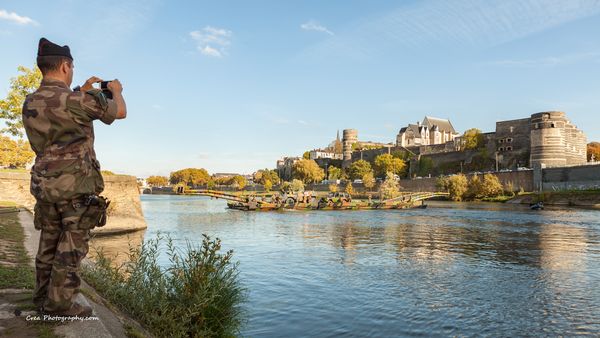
197	295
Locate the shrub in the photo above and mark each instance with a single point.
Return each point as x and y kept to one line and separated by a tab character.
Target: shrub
491	186
457	186
349	188
390	187
197	295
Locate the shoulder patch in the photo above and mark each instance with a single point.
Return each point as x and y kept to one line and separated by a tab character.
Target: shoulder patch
99	96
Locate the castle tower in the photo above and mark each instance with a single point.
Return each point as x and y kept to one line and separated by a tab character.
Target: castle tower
555	142
350	136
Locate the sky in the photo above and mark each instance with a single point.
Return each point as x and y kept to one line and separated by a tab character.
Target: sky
232	86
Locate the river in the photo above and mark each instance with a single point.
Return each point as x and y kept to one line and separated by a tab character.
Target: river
451	269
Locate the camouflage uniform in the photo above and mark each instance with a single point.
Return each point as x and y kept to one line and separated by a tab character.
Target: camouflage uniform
59	126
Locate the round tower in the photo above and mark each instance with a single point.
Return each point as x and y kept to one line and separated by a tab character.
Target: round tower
350	136
548	139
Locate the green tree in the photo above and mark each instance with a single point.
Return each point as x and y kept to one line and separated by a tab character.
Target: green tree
491	186
368	181
211	184
190	177
593	149
297	185
425	166
358	169
390	187
14	153
308	171
334	173
157	181
472	139
387	163
10	107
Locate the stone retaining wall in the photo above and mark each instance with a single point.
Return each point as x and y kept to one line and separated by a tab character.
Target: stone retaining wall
125	211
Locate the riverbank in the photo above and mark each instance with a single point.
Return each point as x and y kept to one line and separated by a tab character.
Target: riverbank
18	246
575	198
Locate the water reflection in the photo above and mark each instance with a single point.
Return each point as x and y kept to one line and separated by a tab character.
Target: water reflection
452	269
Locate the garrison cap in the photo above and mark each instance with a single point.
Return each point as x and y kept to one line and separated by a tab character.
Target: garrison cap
47	48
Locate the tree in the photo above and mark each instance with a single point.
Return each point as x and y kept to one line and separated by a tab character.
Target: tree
425	166
190	177
390	187
457	186
593	149
387	163
368	180
308	171
472	139
239	182
263	175
359	168
474	189
157	181
14	153
333	187
491	187
10	107
306	155
268	185
334	173
349	189
297	185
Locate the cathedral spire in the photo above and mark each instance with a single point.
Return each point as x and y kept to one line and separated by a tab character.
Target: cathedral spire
338	135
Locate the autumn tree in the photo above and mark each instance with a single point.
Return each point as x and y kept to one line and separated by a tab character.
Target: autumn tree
457	186
14	153
264	175
389	188
297	185
334	173
10	107
593	149
333	187
239	182
491	186
308	171
157	181
473	139
349	189
268	185
368	180
190	177
386	163
306	155
359	168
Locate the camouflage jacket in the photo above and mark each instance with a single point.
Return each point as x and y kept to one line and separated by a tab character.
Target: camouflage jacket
59	126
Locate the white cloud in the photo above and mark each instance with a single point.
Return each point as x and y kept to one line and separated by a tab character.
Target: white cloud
460	23
16	18
550	61
313	25
212	41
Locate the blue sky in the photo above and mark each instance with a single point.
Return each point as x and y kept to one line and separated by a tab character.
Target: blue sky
232	86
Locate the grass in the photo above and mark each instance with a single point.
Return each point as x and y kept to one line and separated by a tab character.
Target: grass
197	295
20	170
15	271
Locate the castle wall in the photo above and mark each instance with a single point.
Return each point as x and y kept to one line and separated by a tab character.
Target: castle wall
513	143
571	178
124	213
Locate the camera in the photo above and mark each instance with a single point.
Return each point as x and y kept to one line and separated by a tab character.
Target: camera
105	90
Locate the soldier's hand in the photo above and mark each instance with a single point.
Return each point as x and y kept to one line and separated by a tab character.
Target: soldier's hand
115	86
88	85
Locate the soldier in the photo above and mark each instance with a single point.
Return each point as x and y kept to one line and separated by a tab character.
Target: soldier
65	179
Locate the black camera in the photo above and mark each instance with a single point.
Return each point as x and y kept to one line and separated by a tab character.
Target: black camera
105	90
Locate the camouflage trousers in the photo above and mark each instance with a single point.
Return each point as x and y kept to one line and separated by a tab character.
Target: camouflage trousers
63	244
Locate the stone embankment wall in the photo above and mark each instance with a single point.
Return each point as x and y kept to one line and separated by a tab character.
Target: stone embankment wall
125	211
586	177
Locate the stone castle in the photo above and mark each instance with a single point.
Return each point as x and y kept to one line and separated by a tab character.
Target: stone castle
546	139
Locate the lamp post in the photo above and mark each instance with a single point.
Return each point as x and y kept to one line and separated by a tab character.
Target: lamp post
496	161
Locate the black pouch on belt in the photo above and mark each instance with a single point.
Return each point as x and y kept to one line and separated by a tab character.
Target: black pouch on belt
95	213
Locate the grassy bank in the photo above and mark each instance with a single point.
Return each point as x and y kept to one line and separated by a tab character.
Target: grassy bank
197	295
15	271
584	198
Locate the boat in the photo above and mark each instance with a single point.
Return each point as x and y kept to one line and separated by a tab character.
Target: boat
537	206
